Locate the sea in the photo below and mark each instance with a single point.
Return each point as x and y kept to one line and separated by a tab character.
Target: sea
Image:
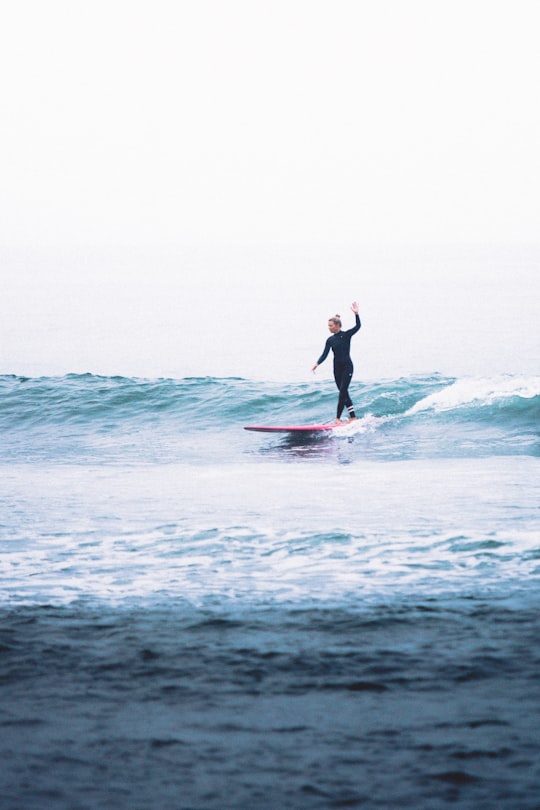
198	617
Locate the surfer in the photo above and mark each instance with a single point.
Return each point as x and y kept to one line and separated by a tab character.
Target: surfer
340	343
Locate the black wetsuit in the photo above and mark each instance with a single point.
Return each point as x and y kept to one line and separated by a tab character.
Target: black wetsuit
340	343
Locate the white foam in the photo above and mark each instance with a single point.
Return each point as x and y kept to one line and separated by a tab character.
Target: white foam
480	390
357	426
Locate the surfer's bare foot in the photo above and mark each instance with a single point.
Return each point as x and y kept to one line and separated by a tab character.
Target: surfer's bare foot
353	419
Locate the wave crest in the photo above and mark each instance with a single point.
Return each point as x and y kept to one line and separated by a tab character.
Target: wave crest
91	401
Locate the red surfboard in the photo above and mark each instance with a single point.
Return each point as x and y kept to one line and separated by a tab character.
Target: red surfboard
290	428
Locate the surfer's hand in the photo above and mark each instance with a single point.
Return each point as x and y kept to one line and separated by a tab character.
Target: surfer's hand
314	369
354	307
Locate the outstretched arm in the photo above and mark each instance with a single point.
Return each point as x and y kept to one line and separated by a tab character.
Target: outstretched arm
323	356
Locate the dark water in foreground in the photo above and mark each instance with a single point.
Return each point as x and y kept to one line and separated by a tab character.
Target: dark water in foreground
421	705
192	616
426	704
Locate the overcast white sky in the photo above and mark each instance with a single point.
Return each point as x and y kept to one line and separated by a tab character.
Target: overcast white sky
128	122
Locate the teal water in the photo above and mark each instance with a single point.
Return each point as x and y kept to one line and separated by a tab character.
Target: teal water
87	416
195	616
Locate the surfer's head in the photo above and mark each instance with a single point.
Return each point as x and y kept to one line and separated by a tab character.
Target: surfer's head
334	324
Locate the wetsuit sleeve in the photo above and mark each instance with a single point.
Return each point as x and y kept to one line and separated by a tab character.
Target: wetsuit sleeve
324	355
355	328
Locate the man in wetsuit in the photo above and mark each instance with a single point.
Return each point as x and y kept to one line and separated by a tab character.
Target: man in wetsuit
340	343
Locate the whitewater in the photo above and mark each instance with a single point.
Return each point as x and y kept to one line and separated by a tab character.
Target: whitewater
195	616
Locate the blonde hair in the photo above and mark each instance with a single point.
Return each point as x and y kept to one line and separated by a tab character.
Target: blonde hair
336	319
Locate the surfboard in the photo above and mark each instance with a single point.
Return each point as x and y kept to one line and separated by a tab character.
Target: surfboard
291	428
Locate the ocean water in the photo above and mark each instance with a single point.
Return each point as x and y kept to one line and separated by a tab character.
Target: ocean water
194	616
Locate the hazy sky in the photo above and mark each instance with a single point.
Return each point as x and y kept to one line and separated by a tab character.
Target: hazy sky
194	187
127	122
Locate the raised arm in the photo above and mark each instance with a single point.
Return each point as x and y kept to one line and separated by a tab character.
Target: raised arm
356	327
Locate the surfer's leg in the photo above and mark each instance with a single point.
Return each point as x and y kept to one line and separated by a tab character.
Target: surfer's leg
344	399
350	409
339	376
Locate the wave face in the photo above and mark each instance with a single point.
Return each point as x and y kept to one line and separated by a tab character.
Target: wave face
430	415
